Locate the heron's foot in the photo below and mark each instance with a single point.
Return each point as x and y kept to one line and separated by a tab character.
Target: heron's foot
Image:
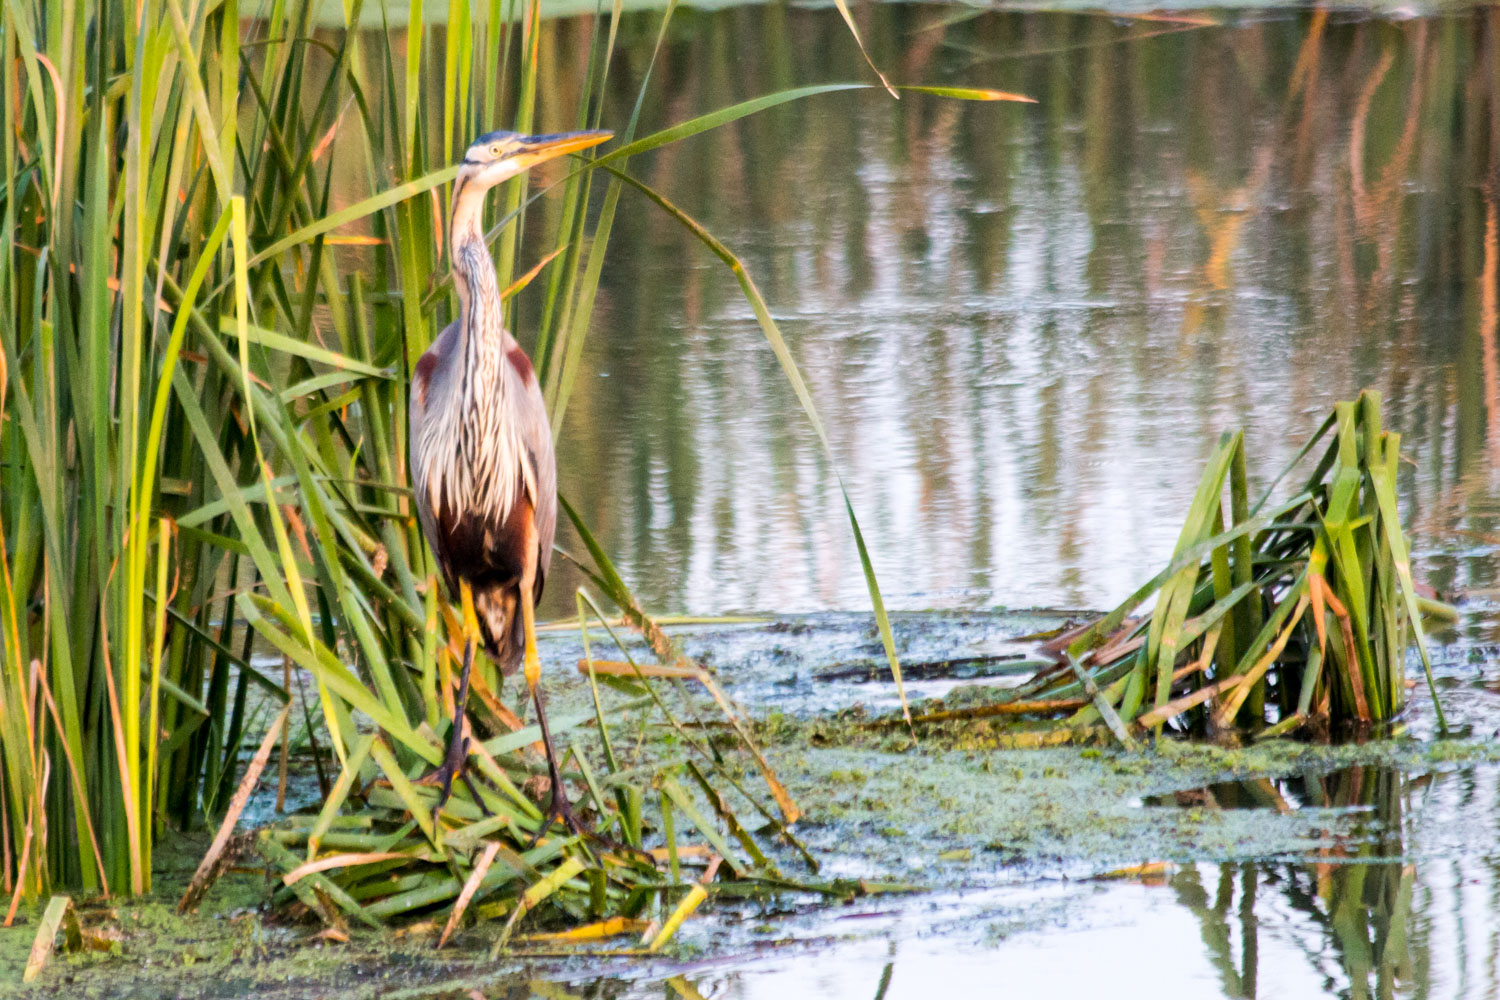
455	760
454	765
558	807
560	810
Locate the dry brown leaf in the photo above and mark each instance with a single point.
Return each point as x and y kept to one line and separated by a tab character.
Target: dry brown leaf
340	861
46	936
619	668
1150	871
613	927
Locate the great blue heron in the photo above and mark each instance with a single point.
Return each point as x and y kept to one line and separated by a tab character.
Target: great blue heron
483	470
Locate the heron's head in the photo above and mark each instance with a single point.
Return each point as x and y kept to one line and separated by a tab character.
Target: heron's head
499	156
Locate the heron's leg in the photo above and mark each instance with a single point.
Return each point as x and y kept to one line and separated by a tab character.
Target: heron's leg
559	808
458	741
532	665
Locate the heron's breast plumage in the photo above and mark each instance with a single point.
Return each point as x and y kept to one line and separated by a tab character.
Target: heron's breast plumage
470	460
483	471
467	438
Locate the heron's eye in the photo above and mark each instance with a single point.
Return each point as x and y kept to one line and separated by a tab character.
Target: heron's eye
495	150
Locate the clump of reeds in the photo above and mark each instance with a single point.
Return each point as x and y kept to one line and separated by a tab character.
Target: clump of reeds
1271	615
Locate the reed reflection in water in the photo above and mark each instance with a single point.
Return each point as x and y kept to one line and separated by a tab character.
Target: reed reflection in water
1026	325
1388	906
1347	909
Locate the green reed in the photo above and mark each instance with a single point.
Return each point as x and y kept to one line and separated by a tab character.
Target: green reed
1305	604
203	368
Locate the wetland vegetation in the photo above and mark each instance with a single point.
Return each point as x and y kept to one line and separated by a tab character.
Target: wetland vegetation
1022	329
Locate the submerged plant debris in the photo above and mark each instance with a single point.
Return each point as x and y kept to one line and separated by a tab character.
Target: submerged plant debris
376	853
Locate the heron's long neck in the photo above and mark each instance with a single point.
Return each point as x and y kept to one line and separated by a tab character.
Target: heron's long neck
480	446
482	331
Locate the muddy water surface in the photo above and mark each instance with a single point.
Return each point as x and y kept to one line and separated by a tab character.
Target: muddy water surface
1286	870
1366	869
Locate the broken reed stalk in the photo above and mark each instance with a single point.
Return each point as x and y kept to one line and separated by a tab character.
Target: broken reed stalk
1268	616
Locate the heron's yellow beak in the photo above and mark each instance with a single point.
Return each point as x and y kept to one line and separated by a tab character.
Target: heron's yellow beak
534	149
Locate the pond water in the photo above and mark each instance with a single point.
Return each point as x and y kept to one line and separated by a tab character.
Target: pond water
1024	327
1303	877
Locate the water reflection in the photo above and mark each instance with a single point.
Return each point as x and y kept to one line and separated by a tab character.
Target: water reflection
1025	325
1347	908
1382	908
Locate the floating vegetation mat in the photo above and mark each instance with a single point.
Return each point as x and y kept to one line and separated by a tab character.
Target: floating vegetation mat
1273	616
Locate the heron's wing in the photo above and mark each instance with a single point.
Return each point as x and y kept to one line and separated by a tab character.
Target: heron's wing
429	389
505	555
536	435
